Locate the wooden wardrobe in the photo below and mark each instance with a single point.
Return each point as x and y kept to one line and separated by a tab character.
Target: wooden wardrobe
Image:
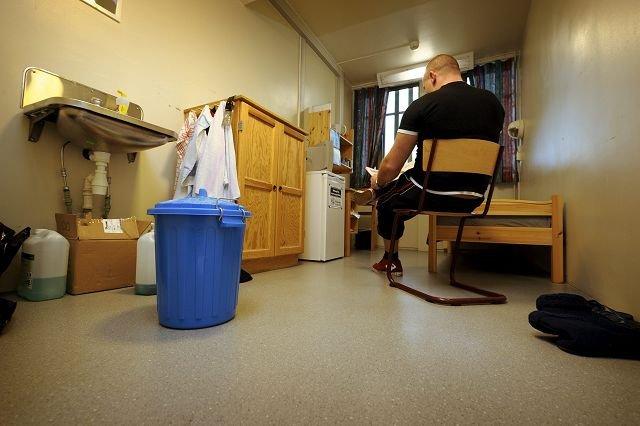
270	155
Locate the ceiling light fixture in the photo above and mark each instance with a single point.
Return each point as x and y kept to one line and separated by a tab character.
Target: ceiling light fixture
415	72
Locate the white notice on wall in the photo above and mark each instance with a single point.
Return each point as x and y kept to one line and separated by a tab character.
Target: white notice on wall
112	226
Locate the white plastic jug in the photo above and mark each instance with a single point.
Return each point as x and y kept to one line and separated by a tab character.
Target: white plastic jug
45	256
146	264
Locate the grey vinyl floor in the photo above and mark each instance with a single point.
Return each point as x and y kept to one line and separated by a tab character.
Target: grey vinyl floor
314	344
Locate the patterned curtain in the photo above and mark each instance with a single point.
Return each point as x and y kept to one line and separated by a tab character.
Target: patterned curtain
500	78
370	105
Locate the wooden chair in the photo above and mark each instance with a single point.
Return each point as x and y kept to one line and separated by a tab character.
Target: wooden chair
453	155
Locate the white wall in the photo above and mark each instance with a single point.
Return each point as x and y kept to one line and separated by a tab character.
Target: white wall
347	103
319	81
581	101
167	56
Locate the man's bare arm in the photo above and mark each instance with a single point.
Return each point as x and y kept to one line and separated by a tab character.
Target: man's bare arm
395	159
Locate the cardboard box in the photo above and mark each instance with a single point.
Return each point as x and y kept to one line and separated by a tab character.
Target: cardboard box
102	253
73	227
97	265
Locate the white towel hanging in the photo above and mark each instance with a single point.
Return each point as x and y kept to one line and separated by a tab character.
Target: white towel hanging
190	162
216	171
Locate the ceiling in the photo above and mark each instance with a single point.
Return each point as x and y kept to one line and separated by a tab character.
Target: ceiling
355	28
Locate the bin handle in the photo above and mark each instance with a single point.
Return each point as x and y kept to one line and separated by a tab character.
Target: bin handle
232	221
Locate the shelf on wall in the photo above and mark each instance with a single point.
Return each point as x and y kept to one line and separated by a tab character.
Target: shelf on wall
345	141
341	169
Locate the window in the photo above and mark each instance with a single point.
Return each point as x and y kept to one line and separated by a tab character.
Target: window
399	98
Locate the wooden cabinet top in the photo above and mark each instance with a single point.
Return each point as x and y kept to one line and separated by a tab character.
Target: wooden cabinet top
244	99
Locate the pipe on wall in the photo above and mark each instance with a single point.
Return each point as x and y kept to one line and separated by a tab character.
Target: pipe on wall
300	78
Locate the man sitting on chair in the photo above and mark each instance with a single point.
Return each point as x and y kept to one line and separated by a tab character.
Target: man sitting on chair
450	109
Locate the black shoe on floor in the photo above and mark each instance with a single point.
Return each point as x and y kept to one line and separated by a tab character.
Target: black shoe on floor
590	333
567	302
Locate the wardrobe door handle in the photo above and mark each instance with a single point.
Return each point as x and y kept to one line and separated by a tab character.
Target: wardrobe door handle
280	189
274	187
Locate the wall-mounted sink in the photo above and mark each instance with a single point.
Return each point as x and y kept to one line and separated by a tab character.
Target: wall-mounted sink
86	116
94	127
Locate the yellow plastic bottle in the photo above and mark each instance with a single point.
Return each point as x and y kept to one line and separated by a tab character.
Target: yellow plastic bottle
122	102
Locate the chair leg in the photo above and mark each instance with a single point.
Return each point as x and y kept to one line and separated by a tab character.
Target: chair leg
489	297
432	242
392	247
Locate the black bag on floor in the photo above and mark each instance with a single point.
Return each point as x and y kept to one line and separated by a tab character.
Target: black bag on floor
10	243
245	276
586	327
7	308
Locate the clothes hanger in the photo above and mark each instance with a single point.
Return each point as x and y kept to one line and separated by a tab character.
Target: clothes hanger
228	108
229	104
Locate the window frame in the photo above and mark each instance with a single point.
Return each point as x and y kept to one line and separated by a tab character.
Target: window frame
397	113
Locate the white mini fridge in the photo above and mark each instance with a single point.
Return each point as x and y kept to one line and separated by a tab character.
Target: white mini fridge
324	216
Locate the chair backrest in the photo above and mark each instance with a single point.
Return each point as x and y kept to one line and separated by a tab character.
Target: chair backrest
461	155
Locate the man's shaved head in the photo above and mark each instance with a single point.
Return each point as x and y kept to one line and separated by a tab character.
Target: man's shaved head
441	70
443	63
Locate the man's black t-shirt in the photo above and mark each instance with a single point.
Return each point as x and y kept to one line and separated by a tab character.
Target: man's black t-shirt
456	110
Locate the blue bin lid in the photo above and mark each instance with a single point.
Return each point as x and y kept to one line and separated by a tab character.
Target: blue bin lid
200	205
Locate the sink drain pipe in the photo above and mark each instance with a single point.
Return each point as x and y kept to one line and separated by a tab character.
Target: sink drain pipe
99	184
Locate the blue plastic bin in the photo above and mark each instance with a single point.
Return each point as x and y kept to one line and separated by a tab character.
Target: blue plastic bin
198	256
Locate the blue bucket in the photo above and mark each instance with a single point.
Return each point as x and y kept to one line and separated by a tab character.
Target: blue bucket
198	256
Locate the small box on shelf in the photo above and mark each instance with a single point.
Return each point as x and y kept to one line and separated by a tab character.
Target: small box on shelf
324	139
